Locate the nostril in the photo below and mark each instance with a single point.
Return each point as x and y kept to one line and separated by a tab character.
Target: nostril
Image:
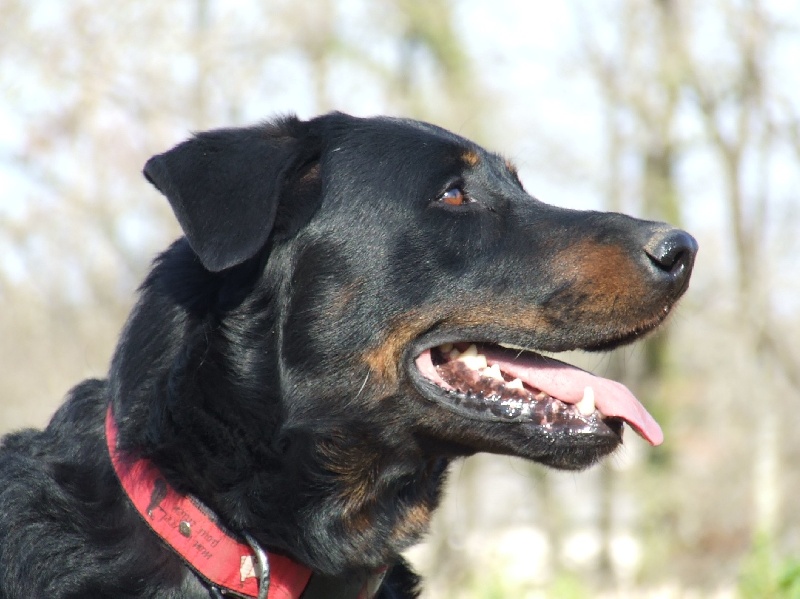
672	251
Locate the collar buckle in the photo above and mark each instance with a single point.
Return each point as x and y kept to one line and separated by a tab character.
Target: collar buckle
262	563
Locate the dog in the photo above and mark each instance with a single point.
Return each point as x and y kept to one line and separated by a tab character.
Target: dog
355	304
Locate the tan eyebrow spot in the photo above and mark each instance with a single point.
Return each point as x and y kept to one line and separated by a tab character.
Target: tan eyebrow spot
471	157
512	168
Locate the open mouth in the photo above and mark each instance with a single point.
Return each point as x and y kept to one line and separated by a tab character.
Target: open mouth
492	382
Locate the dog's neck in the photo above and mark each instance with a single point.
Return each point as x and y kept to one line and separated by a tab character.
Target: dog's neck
219	557
326	488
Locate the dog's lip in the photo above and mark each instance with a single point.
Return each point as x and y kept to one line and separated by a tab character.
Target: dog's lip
558	379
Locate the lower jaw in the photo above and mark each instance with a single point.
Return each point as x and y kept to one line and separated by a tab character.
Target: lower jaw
579	457
560	441
546	413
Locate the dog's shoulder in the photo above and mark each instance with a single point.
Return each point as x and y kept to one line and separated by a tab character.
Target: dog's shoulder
42	472
63	526
57	495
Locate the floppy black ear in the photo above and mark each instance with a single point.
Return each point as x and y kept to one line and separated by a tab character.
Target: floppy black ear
224	186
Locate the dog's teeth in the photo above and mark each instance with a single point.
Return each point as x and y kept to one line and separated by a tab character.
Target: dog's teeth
472	350
454	354
515	384
493	372
472	358
446	348
586	405
473	362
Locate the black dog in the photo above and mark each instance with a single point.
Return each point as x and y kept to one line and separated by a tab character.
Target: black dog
300	369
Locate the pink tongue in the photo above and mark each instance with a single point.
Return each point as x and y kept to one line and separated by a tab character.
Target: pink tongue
567	383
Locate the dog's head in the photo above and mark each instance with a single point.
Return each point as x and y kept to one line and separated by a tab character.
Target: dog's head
408	246
389	285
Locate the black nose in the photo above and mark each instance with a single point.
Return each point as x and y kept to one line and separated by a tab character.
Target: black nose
672	252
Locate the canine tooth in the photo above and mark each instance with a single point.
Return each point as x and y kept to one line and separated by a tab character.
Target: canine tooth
586	405
515	384
454	354
493	372
472	350
473	362
446	347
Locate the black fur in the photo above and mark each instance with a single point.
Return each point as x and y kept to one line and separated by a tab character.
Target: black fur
267	367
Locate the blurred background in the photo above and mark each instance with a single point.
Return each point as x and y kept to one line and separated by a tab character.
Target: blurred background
680	110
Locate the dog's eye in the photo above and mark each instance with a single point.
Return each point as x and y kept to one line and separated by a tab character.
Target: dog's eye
454	196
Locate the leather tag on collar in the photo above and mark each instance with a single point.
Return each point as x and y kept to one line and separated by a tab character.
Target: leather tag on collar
191	531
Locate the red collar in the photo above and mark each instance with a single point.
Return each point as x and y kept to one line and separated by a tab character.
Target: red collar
191	531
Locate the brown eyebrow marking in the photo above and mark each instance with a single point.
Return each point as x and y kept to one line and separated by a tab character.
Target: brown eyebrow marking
471	157
512	168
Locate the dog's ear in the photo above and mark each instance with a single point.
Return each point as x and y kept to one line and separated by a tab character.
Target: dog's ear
224	186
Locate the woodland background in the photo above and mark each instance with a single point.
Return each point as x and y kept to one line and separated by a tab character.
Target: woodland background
681	110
